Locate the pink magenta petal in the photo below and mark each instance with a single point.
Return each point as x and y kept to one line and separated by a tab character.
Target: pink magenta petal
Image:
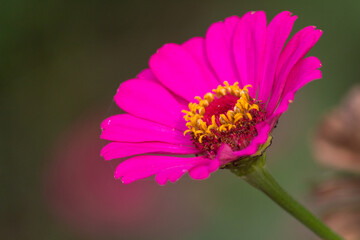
146	74
276	34
120	149
168	168
177	69
202	172
127	128
169	175
294	51
149	100
226	155
230	24
248	48
304	72
218	47
196	47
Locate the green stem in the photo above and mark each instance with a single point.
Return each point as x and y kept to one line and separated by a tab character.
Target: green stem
261	179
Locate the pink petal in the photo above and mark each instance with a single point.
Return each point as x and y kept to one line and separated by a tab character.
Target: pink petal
169	175
196	47
230	24
304	72
203	172
179	71
115	150
127	128
146	74
226	155
248	48
165	167
218	47
151	101
295	50
198	173
276	34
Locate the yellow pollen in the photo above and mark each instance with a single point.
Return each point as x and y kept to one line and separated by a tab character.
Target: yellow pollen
238	117
195	115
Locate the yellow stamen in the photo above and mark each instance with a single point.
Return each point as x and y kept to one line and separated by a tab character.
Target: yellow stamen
228	120
249	116
238	116
229	114
186	131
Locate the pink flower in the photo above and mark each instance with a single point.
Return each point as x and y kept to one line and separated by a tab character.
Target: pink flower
225	91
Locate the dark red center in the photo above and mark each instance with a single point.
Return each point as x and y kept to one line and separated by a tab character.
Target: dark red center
219	106
237	138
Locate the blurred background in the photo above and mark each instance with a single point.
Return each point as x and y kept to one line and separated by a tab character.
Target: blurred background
61	63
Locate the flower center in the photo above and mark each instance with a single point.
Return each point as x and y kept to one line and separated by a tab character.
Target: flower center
228	115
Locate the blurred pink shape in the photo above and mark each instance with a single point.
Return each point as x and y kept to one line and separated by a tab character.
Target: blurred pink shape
82	192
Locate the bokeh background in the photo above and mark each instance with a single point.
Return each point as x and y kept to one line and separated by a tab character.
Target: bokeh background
61	63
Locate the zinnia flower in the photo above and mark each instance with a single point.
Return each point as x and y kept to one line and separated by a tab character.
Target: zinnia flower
210	101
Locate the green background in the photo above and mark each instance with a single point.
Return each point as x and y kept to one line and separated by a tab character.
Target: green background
63	60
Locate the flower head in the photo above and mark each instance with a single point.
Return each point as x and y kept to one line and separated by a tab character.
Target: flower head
228	116
209	101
